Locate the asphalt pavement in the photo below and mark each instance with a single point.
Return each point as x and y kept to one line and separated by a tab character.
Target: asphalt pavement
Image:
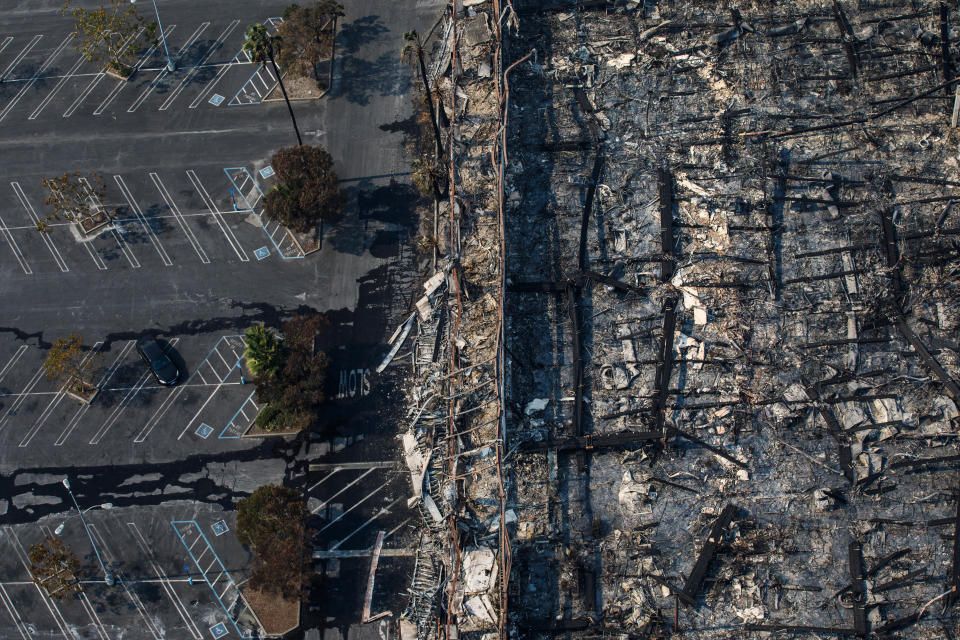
185	157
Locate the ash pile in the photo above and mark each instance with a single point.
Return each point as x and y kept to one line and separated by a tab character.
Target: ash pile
731	270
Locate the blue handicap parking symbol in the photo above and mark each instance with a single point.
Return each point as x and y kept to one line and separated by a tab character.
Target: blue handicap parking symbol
220	527
262	253
216	99
204	430
218	630
266	172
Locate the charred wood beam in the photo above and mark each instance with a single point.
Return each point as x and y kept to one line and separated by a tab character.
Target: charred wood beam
665	366
902	581
674	590
857	589
954	585
846	35
587	209
665	191
611	282
897	624
800	628
623	439
921	350
709	447
692	586
945	43
574	316
845	456
881	564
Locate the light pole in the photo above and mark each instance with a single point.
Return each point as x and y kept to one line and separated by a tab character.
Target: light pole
170	66
107	576
105	505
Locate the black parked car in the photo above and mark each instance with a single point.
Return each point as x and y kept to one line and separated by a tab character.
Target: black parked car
162	367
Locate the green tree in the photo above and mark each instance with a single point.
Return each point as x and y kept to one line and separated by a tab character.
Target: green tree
306	35
265	353
76	198
307	189
273	522
294	396
69	365
112	33
261	47
55	568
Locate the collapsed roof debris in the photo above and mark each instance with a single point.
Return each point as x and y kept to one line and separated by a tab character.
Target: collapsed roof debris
694	256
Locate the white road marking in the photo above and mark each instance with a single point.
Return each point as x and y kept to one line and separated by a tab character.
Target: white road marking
122	83
36	220
152	422
355	505
218	217
175	210
112	559
383	511
97	77
131	393
23	396
56	89
40	70
13	611
187	78
6	41
117	235
205	403
56	400
20	56
13	360
5	232
163	74
97	260
51	606
82	411
165	583
135	208
93	616
355	481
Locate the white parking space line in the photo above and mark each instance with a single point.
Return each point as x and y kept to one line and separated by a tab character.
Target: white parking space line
13	361
218	217
355	481
187	78
131	392
95	256
82	411
197	414
57	399
135	208
36	75
383	511
175	210
93	616
14	613
50	604
355	505
96	79
56	89
14	247
155	418
36	220
117	234
165	583
5	43
123	83
20	56
112	559
21	397
163	73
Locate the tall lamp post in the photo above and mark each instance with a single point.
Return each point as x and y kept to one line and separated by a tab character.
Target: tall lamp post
107	576
170	66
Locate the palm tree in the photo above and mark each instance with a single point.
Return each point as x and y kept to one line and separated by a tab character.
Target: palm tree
264	351
260	45
413	46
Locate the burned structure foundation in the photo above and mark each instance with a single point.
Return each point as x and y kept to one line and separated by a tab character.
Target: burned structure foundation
688	362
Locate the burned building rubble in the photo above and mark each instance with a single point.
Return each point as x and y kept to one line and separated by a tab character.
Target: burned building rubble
687	361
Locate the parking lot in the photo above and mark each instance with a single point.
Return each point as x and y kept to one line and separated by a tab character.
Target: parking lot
189	260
